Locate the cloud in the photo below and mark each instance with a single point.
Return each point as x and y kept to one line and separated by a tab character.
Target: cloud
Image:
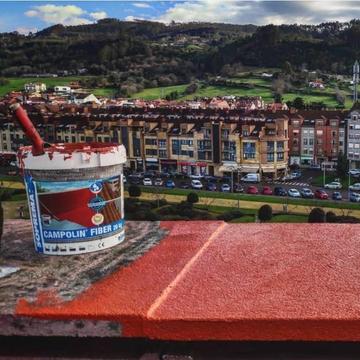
64	14
141	5
98	15
26	31
133	18
261	12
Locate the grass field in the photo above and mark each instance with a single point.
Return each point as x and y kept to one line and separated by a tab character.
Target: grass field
259	198
17	84
261	87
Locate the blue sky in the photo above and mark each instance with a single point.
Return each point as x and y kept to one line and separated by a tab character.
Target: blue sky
25	16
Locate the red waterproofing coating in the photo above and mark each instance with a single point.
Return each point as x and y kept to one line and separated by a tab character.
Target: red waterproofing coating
29	129
217	281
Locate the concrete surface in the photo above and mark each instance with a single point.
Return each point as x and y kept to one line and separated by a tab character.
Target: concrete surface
209	280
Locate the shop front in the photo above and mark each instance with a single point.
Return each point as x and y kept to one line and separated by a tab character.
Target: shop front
139	164
152	164
193	168
168	166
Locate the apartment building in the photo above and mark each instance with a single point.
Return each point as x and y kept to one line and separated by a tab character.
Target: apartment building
200	141
353	139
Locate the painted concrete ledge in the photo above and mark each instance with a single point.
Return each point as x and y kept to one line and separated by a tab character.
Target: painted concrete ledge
198	281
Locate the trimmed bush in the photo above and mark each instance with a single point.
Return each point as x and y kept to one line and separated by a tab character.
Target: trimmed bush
192	198
265	213
134	191
230	215
331	217
317	215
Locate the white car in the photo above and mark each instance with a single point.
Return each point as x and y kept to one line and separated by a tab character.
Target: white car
225	188
354	172
147	182
294	193
158	182
333	185
196	184
196	177
355	187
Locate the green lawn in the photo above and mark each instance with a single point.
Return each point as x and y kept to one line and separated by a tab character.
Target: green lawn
244	219
319	180
261	87
16	84
159	92
258	198
289	218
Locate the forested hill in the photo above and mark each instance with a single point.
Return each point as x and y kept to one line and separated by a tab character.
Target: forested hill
155	53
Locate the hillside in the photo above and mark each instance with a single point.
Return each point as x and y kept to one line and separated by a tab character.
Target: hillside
133	56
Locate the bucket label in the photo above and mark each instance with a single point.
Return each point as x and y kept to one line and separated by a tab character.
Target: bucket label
75	211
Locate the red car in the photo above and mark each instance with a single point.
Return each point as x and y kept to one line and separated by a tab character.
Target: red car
252	190
321	194
266	190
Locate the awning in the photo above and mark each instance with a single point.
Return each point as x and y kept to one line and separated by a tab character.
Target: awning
154	160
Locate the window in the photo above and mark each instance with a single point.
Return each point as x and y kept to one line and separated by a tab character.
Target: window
162	153
319	132
162	143
270	146
270	157
333	133
280	146
249	149
311	141
150	142
305	141
152	152
280	156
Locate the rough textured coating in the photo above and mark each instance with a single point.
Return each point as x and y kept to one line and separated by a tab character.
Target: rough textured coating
211	280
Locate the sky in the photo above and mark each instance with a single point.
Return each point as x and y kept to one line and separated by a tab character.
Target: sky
26	16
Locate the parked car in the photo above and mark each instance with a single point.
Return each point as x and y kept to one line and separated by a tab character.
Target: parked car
333	185
307	193
294	193
147	182
124	180
209	178
170	184
196	177
196	184
252	190
315	167
321	194
225	188
354	172
296	175
135	181
287	177
238	188
355	187
184	185
266	190
279	191
354	197
336	195
251	178
211	186
158	182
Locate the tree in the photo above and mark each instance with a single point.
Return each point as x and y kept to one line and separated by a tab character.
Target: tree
265	213
134	191
191	89
1	222
317	215
298	103
193	198
342	166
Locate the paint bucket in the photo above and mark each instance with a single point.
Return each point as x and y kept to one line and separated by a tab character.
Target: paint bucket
76	196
